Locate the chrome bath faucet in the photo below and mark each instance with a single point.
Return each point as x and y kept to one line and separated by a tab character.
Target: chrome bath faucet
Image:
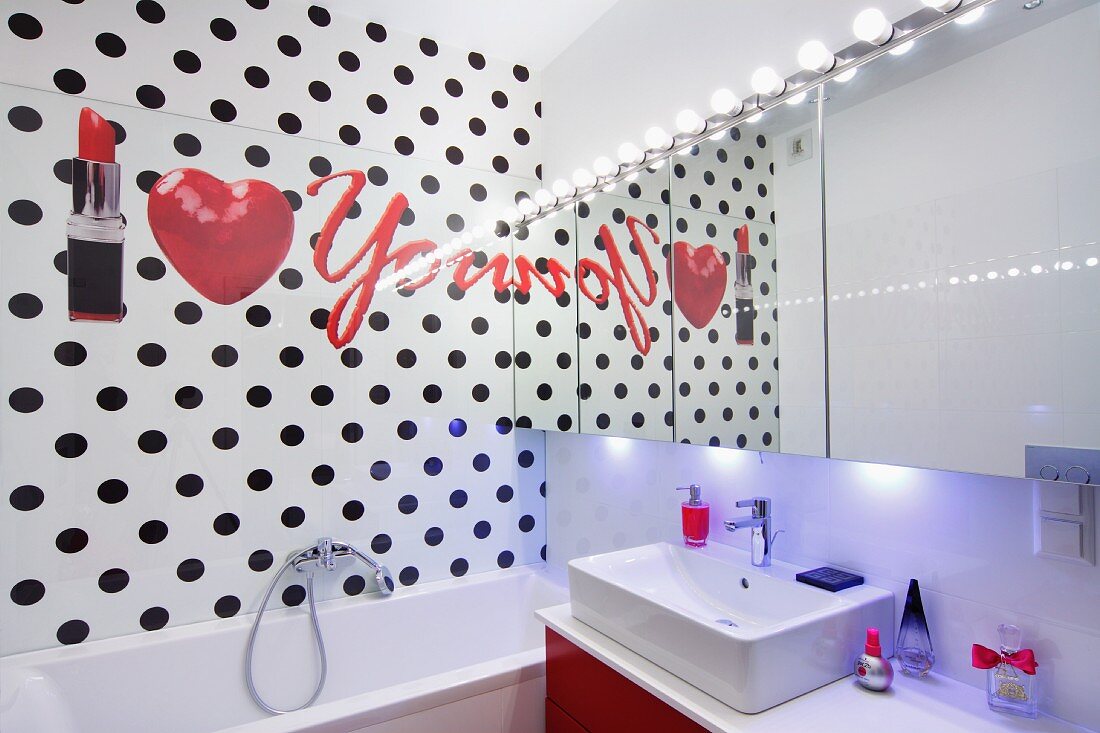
760	522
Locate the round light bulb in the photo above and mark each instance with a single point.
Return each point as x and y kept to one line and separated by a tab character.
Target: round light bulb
871	26
561	188
604	166
797	99
765	81
527	206
543	198
725	102
656	138
690	122
478	232
846	75
467	238
755	118
971	16
630	153
813	56
582	178
509	215
944	6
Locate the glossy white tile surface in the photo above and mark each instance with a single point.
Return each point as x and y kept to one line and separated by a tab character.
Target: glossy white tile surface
1078	192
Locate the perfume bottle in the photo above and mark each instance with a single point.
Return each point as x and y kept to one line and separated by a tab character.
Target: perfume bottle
1011	683
695	516
914	647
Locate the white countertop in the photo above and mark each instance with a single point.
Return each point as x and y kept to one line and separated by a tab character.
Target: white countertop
935	704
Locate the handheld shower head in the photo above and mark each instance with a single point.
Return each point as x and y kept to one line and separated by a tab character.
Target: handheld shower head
384	578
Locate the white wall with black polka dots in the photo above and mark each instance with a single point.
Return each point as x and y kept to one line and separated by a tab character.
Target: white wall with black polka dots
157	469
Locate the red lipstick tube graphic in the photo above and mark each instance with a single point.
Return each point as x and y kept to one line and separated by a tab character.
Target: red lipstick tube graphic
96	229
742	288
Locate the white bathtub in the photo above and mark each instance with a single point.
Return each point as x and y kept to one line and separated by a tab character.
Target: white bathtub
456	655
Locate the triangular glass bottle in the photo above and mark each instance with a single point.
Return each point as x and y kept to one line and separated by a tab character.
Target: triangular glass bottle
914	646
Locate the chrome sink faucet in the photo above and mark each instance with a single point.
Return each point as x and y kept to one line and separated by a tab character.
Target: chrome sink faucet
760	522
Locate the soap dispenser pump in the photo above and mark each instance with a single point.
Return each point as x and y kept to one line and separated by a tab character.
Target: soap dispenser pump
695	516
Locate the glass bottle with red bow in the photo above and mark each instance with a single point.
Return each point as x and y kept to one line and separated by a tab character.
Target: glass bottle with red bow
1011	684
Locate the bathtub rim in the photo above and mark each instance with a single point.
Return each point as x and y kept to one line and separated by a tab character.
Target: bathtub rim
346	713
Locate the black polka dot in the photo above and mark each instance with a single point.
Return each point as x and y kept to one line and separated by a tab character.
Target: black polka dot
353	510
146	179
71	445
189	485
289	123
408	575
403	75
521	73
259	479
318	16
454	155
428	47
24	26
224	356
349	135
226	524
73	632
150	96
69	81
222	29
403	145
151	268
354	585
323	475
25	212
190	570
225	438
294	595
377	104
348	61
186	61
25	399
482	529
258	316
260	560
292	435
505	559
376	32
289	46
460	567
188	313
380	470
152	441
381	544
111	399
320	91
154	618
187	144
407	504
26	498
27	592
500	99
24	119
257	77
150	11
227	606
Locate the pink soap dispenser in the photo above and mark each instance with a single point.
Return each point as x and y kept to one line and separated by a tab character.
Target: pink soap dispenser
695	515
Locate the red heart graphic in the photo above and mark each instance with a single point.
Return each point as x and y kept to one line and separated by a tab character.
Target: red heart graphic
699	282
225	239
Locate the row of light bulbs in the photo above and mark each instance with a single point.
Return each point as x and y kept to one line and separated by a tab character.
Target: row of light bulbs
870	26
1012	272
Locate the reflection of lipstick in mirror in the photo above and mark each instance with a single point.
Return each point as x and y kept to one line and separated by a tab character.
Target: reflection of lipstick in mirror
96	230
742	288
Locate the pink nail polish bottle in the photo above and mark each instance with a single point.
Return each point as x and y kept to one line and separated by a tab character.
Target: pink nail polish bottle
695	515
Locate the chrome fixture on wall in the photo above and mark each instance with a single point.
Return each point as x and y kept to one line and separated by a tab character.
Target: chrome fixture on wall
760	522
322	556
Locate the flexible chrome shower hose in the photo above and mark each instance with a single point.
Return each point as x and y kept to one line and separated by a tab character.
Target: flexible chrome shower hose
316	635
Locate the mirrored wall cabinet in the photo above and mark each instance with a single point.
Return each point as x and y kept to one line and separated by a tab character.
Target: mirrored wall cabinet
876	269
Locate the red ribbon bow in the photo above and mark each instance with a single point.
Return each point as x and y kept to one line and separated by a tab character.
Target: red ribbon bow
983	657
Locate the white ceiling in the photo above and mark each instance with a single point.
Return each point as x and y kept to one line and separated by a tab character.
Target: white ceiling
529	32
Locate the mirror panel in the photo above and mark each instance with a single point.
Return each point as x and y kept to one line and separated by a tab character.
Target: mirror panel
544	299
624	309
962	244
738	201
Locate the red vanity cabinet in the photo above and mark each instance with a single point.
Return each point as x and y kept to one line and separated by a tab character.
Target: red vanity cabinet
585	695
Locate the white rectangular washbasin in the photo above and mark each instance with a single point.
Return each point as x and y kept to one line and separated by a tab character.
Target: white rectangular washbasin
750	637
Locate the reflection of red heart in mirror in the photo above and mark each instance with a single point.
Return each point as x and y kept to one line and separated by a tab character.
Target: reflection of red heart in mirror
225	239
698	280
